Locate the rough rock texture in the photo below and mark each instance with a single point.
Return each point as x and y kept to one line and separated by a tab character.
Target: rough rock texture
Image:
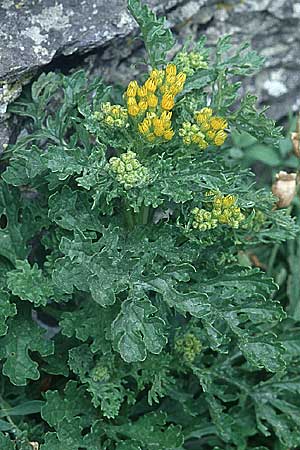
35	32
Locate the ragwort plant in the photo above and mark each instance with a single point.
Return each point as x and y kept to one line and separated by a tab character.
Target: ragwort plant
122	236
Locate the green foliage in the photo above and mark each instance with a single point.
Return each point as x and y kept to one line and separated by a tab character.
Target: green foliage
123	326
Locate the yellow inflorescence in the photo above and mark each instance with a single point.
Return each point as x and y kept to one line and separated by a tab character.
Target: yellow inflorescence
152	103
128	170
190	62
114	116
206	130
189	346
223	210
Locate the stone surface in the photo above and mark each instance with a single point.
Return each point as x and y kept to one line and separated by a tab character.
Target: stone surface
35	32
32	32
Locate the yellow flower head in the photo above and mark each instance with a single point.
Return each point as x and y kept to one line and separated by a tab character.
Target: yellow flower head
167	102
152	100
132	89
220	138
171	70
218	123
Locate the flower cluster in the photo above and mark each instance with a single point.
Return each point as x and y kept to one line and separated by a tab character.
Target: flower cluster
114	116
190	62
224	210
206	130
100	373
189	346
151	103
128	170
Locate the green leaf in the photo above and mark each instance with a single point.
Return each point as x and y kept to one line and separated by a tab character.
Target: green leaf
22	337
73	211
30	407
12	237
30	284
137	330
5	426
88	321
263	153
106	389
264	352
6	443
151	431
71	404
7	310
157	38
293	287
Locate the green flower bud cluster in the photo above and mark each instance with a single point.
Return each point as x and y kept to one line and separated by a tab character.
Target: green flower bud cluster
128	170
190	62
256	221
189	346
100	373
114	116
204	220
191	134
224	210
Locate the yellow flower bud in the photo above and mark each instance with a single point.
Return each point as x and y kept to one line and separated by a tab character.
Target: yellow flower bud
133	110
171	79
168	134
151	137
109	120
228	201
144	126
152	100
203	144
154	73
174	90
167	101
206	111
142	91
143	105
159	131
204	126
151	85
181	77
132	89
166	116
211	134
131	101
171	69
